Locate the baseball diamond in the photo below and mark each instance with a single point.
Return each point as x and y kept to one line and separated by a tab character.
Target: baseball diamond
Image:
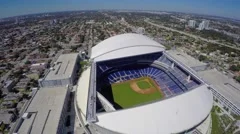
136	91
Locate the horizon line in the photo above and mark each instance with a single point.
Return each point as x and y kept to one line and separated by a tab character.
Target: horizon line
210	15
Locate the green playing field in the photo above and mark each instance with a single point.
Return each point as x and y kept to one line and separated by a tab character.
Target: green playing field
143	84
126	97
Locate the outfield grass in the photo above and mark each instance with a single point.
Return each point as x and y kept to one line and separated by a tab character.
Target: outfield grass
124	96
143	84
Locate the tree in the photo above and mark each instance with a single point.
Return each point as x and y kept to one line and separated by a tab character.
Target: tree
238	79
83	63
101	36
28	62
74	48
16	55
234	68
33	83
17	74
178	44
9	65
168	47
0	93
2	127
202	58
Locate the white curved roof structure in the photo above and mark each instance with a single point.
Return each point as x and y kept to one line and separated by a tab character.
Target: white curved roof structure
124	45
171	115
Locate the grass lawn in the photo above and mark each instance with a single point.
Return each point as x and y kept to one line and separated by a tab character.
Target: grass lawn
143	84
216	124
1	100
21	90
124	96
34	76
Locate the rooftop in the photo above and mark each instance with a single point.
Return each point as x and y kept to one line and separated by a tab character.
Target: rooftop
224	85
124	45
63	68
186	59
8	83
45	109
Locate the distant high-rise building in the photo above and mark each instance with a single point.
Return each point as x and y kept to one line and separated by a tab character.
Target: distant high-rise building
52	22
204	25
16	20
191	23
201	26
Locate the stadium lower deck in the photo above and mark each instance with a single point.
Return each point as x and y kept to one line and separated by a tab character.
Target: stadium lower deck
171	80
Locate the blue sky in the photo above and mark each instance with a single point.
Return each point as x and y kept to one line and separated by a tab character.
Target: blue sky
226	8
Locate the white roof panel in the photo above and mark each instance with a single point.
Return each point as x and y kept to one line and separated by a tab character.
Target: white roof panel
172	115
124	45
127	52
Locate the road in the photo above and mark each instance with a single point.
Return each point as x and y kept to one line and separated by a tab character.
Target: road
72	41
190	35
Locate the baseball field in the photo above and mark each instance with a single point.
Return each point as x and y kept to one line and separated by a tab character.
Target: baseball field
134	92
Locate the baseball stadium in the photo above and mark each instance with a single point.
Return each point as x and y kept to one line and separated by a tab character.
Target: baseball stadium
133	86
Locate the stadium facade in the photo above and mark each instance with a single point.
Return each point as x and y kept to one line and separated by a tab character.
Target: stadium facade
185	107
